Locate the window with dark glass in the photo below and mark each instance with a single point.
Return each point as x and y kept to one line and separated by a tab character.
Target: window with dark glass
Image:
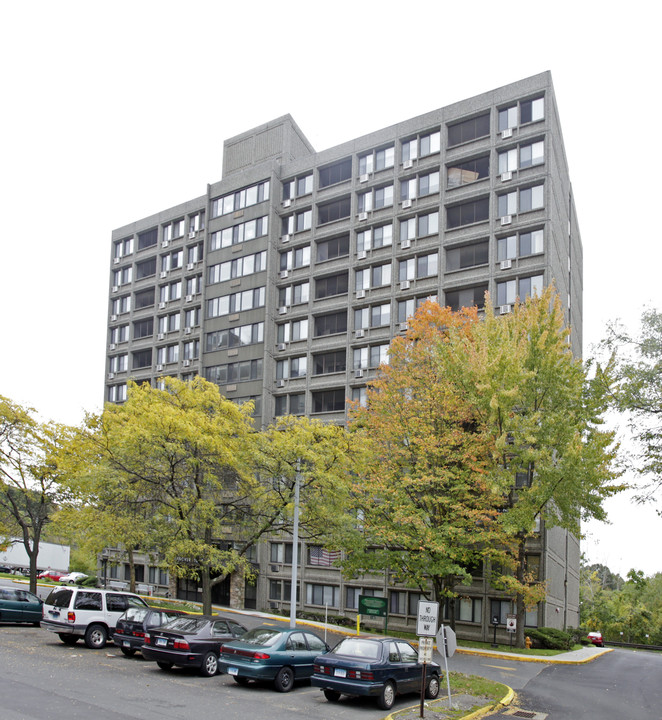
468	213
330	362
468	171
467	255
469	130
335	173
333	248
466	297
331	285
329	400
142	359
331	323
148	238
144	298
335	210
143	328
145	268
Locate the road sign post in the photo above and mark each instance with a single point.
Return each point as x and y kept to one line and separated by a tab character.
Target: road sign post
426	629
447	645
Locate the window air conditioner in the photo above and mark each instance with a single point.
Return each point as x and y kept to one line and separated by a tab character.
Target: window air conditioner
506	219
285	238
160	336
287	203
280	383
506	176
186	363
113	318
283	274
159	368
364	178
360	333
405	244
191	235
115	288
187	331
111	376
508	132
162	305
164	274
407	164
190	266
404	285
363	216
506	264
189	298
505	309
358	373
165	243
112	346
282	310
282	346
361	255
360	294
404	326
406	204
116	261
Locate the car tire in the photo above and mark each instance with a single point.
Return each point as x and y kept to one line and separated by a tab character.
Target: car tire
387	696
284	680
68	639
209	666
432	688
128	651
96	637
164	665
332	695
240	680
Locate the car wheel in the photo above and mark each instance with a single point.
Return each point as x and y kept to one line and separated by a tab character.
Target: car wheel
240	680
284	680
387	696
332	695
68	639
128	651
164	665
432	688
209	665
96	637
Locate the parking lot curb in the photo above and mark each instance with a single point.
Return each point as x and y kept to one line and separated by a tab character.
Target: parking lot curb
506	700
547	659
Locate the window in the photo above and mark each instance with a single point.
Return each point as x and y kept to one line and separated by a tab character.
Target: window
142	359
430	144
408	189
317	555
379	160
330	362
169	323
468	172
194	253
293	259
294	331
235	337
406	308
467	130
530	155
466	297
397	602
335	173
377	276
239	267
122	276
122	248
335	210
144	298
143	328
467	255
172	261
352	595
375	316
146	268
507	204
193	285
191	350
370	357
510	291
428	224
291	368
304	185
532	198
119	334
333	248
328	401
240	199
117	393
468	213
119	363
471	610
419	267
294	294
532	110
236	302
192	317
360	396
173	230
169	354
148	238
428	184
508	118
331	285
239	233
377	198
331	324
374	237
122	304
296	404
508	161
530	243
409	150
322	594
282	553
172	291
500	609
196	222
234	372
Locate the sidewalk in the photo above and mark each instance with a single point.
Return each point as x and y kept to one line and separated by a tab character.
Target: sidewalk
573	657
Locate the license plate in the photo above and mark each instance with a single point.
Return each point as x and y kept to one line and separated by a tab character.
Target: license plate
54	613
233	671
126	643
161	642
340	672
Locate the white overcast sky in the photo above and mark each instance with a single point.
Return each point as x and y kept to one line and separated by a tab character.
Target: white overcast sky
114	111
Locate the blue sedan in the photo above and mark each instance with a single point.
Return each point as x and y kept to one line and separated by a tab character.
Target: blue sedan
268	653
379	667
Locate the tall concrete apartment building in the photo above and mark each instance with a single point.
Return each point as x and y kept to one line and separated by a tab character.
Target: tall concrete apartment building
286	280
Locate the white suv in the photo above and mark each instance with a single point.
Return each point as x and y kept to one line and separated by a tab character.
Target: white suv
88	613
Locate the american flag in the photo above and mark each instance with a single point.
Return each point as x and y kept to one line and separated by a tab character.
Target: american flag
320	556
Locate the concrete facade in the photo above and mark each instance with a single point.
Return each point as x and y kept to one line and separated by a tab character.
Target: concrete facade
286	280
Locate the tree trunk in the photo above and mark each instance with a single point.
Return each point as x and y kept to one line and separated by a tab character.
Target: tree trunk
205	577
132	570
520	610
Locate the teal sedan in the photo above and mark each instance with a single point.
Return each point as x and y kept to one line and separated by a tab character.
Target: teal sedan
18	605
277	656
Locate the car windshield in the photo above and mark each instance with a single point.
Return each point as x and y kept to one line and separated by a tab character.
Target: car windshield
135	614
261	636
185	624
358	648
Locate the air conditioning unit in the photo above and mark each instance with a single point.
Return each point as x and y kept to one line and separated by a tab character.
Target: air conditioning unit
275	568
186	363
283	274
406	204
285	238
404	326
506	264
115	288
165	243
506	176
190	266
280	383
506	219
287	203
159	368
160	336
164	274
364	178
162	305
405	244
187	331
112	346
189	298
360	333
282	310
363	216
282	346
191	235
360	294
505	309
508	132
358	373
361	255
111	376
116	261
113	318
404	285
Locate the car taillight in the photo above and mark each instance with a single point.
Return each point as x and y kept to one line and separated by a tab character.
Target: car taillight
71	617
147	639
181	645
137	633
360	675
261	656
119	631
322	669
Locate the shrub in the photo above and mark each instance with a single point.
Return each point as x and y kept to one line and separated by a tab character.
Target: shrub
550	638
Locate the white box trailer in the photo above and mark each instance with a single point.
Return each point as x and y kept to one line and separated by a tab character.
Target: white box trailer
51	556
